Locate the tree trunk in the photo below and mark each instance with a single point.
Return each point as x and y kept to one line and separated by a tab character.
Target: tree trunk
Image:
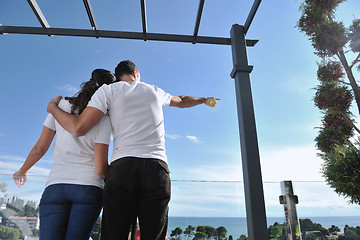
350	122
351	78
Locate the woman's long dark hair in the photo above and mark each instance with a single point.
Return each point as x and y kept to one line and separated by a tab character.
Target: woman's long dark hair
82	97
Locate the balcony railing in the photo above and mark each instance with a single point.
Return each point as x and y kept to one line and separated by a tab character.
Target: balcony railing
194	202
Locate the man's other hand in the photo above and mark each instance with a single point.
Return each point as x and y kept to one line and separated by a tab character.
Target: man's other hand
211	101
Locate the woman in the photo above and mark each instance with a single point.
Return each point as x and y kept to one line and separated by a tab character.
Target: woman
72	199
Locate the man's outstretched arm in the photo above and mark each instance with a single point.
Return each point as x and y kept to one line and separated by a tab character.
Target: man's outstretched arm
75	125
187	101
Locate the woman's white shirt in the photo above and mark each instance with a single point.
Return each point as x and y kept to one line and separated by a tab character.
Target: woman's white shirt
73	157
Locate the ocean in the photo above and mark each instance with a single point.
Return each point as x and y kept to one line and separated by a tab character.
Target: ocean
237	225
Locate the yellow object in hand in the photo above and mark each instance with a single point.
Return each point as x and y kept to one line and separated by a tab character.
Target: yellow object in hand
211	101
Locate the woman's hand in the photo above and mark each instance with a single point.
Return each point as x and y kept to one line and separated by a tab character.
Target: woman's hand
53	102
20	178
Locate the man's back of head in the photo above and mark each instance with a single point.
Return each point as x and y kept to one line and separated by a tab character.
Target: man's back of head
126	67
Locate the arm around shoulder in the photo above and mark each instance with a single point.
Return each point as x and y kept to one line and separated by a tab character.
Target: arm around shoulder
75	125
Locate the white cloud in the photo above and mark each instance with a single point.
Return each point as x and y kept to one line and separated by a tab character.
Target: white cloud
12	157
68	88
291	163
193	139
176	137
215	172
206	199
283	163
172	136
10	167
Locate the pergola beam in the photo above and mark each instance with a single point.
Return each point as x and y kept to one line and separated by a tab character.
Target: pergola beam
198	18
119	34
38	13
251	15
90	13
143	17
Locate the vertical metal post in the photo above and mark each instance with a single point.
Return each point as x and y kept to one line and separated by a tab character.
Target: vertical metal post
289	200
254	195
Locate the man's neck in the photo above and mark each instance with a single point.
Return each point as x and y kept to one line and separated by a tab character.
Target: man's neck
130	80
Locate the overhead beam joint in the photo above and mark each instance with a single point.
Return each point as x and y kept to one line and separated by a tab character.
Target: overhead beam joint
38	13
198	19
90	14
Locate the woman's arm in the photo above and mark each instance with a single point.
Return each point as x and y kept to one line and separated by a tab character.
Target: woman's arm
37	152
101	159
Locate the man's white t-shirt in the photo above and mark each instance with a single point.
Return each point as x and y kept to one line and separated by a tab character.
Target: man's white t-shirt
136	118
73	157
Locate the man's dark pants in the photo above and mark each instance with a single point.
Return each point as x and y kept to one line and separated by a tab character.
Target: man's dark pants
136	187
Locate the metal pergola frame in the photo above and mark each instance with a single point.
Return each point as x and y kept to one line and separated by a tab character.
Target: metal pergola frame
253	185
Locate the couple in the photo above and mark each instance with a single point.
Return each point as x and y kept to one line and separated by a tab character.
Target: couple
137	182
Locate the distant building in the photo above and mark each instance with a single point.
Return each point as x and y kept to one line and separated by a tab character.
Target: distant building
25	224
32	204
16	203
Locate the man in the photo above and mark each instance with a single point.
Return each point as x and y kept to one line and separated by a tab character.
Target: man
138	182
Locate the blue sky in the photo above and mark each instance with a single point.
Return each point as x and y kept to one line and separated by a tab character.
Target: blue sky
202	143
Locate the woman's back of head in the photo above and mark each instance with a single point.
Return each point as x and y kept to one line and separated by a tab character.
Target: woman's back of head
82	97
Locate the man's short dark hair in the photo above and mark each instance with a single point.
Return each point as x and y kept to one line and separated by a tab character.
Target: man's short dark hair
124	67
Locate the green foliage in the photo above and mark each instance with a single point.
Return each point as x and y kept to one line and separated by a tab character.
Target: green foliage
337	120
97	227
330	137
35	232
221	233
327	6
316	21
329	71
3	187
312	236
242	237
341	170
329	38
28	211
9	233
277	231
210	231
306	225
205	232
200	236
200	229
334	100
176	232
350	233
189	231
310	18
354	35
334	229
332	96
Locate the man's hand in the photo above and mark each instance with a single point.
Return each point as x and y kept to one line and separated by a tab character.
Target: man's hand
53	102
211	101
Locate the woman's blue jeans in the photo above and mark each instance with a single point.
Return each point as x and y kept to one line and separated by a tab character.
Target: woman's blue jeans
69	211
